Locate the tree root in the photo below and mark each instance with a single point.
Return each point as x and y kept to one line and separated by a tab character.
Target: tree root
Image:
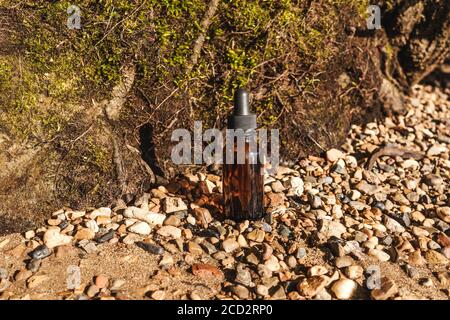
392	151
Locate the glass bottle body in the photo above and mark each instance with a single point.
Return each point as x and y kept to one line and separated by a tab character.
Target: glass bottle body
243	186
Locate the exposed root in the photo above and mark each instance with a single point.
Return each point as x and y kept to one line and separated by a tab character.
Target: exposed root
392	151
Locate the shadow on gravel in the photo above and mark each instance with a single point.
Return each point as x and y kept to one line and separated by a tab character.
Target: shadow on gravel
10	225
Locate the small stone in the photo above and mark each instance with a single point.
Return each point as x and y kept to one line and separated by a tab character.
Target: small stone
23	275
354	272
301	253
432	180
388	289
393	225
85	234
323	295
170	204
434	257
342	262
296	186
241	291
278	293
152	218
411	271
426	282
91	224
34	264
309	287
106	237
379	254
209	247
52	238
195	248
166	261
35	281
141	228
262	290
169	232
158	295
206	270
40	252
203	215
117	284
334	155
367	188
104	212
151	248
90	247
4	284
101	281
317	271
344	289
419	232
230	245
243	276
267	251
332	229
354	194
92	291
256	235
277	186
272	264
437	149
131	238
444	213
172	220
29	234
415	258
315	201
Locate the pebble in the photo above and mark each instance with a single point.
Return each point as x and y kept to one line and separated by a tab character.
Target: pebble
92	291
23	275
262	290
85	234
34	264
151	218
334	155
388	289
332	229
140	227
240	291
379	254
444	213
151	248
256	235
101	281
344	289
169	232
52	238
317	271
230	245
272	264
105	237
195	248
436	258
342	262
40	252
393	225
354	272
174	204
203	215
309	287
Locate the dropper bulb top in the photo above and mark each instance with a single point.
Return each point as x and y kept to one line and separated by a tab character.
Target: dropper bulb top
241	105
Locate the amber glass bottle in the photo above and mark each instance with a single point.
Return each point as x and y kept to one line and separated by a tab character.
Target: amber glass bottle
243	183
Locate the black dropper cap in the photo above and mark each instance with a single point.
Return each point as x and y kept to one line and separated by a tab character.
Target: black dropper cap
241	118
